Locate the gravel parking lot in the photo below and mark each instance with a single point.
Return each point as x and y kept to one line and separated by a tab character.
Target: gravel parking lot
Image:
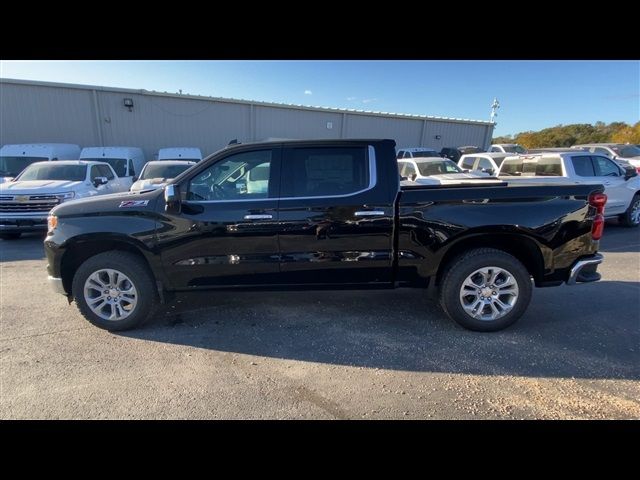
303	355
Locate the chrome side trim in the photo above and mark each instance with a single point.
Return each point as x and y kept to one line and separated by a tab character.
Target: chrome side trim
56	285
369	213
258	217
596	259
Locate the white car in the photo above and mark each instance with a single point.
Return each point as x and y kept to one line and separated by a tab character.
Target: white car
622	186
15	158
127	162
435	171
416	152
482	163
512	148
25	202
615	151
157	173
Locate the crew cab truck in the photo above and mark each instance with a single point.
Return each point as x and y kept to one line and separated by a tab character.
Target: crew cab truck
322	214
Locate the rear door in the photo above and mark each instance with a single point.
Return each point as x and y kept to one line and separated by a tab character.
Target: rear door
336	216
227	232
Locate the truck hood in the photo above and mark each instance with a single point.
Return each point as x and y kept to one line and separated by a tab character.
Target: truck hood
38	186
115	203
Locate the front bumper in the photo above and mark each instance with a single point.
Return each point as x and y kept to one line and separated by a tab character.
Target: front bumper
56	285
584	270
29	223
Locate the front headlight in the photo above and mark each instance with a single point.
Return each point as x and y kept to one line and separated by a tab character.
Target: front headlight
52	222
66	196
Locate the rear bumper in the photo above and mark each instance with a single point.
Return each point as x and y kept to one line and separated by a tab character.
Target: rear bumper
585	270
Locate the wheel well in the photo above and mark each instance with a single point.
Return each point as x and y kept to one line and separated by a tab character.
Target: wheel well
78	253
521	247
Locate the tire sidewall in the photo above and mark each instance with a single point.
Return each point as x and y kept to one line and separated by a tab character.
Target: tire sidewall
459	272
627	215
137	276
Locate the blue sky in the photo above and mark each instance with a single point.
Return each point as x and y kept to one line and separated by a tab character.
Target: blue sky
532	94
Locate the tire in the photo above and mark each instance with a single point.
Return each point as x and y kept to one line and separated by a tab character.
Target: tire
10	235
460	269
631	218
136	274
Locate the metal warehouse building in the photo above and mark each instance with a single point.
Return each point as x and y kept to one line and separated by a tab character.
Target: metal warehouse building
43	112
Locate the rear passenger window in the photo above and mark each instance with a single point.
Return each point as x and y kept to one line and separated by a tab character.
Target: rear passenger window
317	172
583	166
511	168
467	163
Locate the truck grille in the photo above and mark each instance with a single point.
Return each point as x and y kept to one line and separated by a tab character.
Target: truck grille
27	203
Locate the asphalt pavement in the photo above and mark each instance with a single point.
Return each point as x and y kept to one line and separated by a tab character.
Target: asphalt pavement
386	354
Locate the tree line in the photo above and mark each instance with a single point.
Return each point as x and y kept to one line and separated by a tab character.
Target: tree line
568	135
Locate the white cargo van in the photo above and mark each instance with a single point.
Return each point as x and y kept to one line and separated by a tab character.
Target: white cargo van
180	153
15	158
126	161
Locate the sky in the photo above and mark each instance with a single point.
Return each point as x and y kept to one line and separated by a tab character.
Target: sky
532	94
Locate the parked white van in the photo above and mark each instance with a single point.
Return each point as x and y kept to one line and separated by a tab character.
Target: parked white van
15	158
180	153
126	161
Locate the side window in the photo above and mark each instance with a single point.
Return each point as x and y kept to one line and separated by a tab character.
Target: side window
494	149
583	166
401	167
605	167
484	164
468	162
601	151
409	169
549	167
95	172
132	171
511	168
407	154
324	171
400	154
105	171
237	177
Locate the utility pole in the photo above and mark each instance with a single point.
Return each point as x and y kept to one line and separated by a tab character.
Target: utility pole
494	106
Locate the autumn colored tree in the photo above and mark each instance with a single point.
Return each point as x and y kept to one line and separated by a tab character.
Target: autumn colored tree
628	134
568	135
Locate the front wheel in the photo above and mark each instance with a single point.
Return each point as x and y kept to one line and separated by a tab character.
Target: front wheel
115	291
485	290
631	218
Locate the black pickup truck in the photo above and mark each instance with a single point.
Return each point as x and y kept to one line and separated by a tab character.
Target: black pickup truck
322	214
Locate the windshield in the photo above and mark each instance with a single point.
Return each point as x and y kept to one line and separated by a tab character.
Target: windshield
627	151
514	149
118	164
12	166
163	171
437	167
425	153
54	171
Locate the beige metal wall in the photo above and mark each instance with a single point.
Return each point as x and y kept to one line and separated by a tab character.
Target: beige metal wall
33	112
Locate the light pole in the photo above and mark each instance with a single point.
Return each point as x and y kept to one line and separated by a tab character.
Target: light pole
494	106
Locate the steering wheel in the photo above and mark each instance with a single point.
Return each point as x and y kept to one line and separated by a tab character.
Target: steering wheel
217	191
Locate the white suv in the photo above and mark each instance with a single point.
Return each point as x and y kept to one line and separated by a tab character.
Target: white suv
482	163
621	185
25	202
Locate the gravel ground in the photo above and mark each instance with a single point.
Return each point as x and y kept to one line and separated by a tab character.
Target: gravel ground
323	355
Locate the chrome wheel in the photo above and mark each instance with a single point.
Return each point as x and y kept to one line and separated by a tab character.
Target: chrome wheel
110	294
489	293
635	212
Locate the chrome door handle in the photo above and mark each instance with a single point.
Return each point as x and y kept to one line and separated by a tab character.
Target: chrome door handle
369	213
607	183
258	217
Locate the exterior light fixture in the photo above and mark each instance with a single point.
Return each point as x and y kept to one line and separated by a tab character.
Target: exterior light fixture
128	102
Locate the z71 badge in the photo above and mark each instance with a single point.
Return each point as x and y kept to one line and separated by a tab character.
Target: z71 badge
134	203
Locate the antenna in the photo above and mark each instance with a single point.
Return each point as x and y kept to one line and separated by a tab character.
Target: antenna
494	106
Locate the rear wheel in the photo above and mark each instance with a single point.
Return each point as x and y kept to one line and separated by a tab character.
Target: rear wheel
115	291
631	218
485	290
10	235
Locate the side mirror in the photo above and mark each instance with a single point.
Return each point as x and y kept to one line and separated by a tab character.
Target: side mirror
97	181
630	173
466	170
413	177
172	198
490	171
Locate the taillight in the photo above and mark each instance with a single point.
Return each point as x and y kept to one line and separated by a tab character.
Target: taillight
638	169
598	200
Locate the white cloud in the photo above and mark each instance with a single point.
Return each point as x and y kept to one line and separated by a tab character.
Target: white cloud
369	100
308	92
351	99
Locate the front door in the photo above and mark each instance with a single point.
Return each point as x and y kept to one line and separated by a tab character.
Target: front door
227	231
610	175
336	217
